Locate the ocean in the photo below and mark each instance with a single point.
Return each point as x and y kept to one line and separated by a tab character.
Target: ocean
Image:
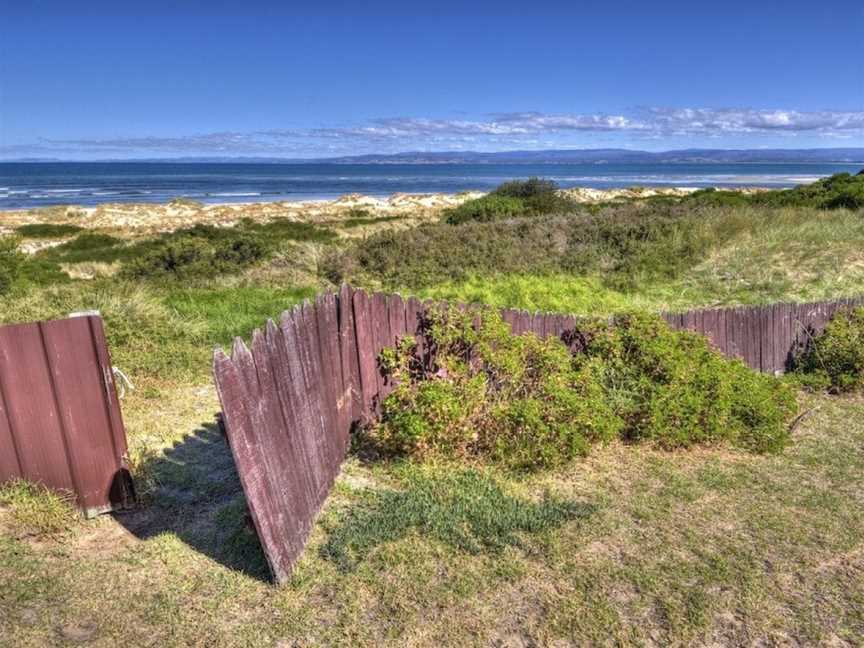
37	184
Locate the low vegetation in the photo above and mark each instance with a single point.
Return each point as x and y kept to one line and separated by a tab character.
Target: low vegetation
48	230
532	197
11	260
834	360
37	511
526	403
651	253
462	508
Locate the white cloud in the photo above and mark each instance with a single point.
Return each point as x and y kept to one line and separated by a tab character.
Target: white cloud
497	130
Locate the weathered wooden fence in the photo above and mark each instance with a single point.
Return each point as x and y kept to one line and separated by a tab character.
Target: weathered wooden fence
60	422
289	402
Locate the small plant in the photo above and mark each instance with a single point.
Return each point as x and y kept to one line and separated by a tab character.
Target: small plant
11	261
834	360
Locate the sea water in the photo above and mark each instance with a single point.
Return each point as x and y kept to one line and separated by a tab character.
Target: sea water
36	184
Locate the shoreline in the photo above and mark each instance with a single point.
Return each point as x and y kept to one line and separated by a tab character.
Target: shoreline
147	217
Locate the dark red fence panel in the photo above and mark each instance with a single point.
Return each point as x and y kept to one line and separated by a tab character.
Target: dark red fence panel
60	422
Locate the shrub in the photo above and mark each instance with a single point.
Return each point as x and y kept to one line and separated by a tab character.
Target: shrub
621	244
527	403
672	388
87	246
834	360
517	400
530	188
191	255
47	230
532	197
484	210
11	261
841	190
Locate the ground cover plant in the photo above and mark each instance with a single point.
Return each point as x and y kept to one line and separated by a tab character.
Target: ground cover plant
463	508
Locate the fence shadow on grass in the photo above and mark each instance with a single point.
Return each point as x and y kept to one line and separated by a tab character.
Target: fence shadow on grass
199	499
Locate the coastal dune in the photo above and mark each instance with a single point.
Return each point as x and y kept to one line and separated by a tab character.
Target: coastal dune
145	218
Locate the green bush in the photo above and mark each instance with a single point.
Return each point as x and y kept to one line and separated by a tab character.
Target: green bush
532	197
87	246
517	400
529	403
672	388
525	189
11	261
47	230
841	190
834	360
191	255
484	210
621	244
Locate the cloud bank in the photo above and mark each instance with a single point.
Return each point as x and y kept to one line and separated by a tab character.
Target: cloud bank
493	132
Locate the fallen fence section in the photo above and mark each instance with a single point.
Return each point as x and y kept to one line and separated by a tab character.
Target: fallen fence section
289	403
60	422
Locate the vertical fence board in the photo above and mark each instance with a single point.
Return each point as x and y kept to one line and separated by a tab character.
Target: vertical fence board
348	353
365	350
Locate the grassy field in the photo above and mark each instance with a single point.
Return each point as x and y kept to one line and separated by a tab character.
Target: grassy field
629	546
648	547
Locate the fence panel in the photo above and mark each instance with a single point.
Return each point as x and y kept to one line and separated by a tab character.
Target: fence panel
60	422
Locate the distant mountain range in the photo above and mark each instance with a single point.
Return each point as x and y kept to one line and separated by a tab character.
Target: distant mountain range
615	156
563	156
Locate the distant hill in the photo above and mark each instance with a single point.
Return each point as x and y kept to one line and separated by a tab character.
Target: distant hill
613	156
552	156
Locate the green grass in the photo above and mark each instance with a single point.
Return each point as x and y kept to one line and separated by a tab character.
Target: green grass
234	311
681	548
37	511
466	510
162	334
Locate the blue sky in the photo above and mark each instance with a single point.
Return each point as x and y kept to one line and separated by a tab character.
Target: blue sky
95	80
